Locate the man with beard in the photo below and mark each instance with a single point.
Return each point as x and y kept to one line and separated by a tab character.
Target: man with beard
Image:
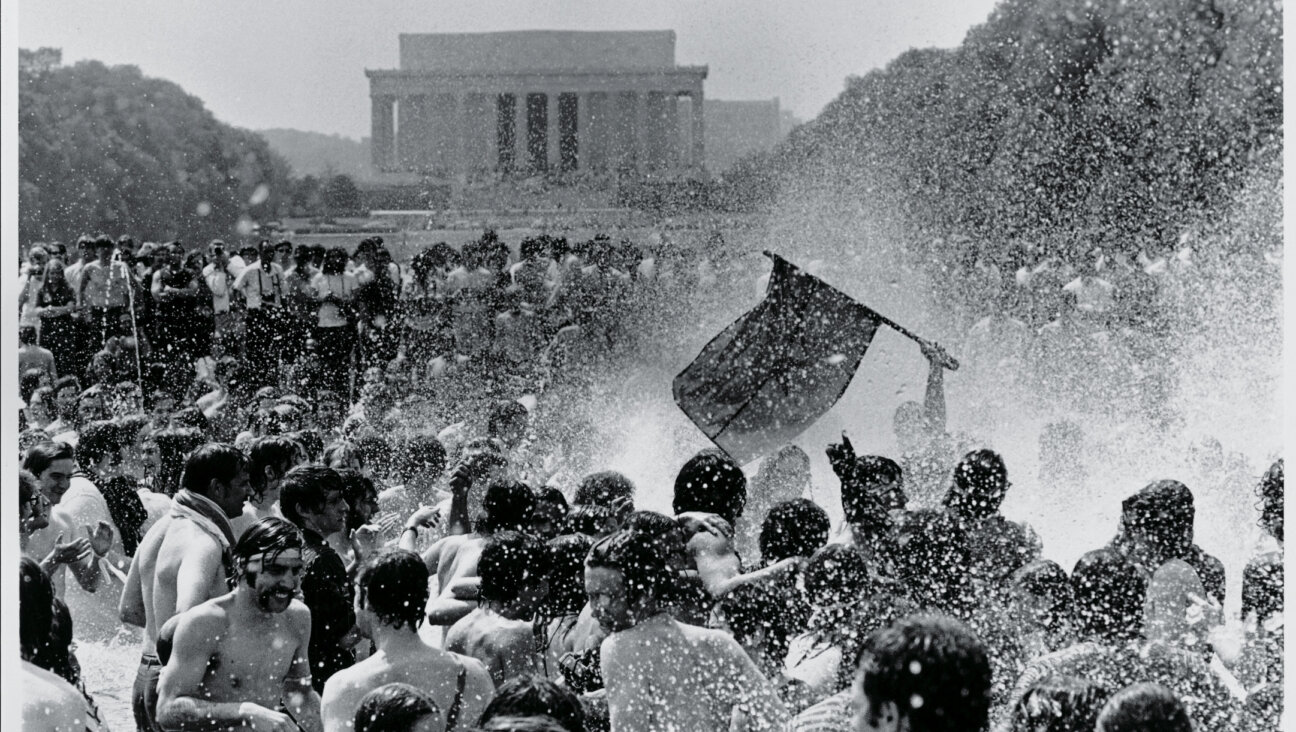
184	559
240	660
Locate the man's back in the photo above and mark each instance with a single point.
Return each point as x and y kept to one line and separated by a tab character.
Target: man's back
506	647
179	567
451	679
662	674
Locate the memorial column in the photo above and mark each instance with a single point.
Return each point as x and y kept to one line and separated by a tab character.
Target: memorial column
521	143
583	138
382	132
698	155
640	130
553	138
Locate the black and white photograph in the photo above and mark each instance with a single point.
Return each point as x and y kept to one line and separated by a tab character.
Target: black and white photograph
644	366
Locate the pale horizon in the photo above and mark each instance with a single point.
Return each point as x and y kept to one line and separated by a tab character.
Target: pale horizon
300	65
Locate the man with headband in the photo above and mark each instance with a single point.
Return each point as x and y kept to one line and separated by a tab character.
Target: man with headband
240	660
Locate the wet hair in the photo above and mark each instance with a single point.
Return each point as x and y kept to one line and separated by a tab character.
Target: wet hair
508	561
1262	587
504	414
506	506
269	537
356	486
522	724
335	259
274	451
1162	513
422	452
662	532
192	417
934	670
375	450
27	335
126	509
639	561
566	574
394	585
174	445
307	486
1144	706
1045	578
30	382
342	451
588	519
1108	592
979	483
41	455
28	487
98	439
603	489
214	461
1270	492
67	381
533	696
932	559
711	482
35	608
793	528
394	707
1059	704
309	441
749	609
836	573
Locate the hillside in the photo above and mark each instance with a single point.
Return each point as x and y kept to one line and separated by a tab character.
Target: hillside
313	153
1056	126
105	148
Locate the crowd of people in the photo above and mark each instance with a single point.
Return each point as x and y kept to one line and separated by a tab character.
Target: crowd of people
252	458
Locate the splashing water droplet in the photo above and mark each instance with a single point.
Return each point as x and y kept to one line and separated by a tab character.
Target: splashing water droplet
204	208
260	195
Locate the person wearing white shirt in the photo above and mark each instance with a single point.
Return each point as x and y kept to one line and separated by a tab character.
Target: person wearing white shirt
262	285
220	275
335	333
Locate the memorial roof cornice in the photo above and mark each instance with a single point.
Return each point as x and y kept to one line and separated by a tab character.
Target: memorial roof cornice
470	74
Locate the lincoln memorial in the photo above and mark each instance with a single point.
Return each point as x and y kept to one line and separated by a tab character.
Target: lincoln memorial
535	101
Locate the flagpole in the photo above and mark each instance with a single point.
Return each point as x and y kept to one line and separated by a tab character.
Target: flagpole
944	359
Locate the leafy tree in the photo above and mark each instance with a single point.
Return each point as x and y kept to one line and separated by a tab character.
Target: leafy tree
341	196
107	149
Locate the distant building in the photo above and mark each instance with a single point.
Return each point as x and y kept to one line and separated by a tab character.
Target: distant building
735	129
536	101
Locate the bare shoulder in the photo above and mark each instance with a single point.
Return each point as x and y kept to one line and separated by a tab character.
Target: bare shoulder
473	668
206	620
299	617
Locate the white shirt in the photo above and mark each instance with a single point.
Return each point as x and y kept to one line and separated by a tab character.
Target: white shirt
343	285
254	282
218	281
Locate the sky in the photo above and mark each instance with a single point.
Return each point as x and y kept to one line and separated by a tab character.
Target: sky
300	64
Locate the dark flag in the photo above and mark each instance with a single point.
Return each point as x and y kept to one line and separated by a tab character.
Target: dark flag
778	368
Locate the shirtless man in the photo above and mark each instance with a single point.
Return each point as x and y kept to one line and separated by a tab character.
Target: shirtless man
507	506
182	560
500	632
240	660
391	592
268	459
660	673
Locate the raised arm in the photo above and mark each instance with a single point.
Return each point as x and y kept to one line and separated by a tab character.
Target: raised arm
934	400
